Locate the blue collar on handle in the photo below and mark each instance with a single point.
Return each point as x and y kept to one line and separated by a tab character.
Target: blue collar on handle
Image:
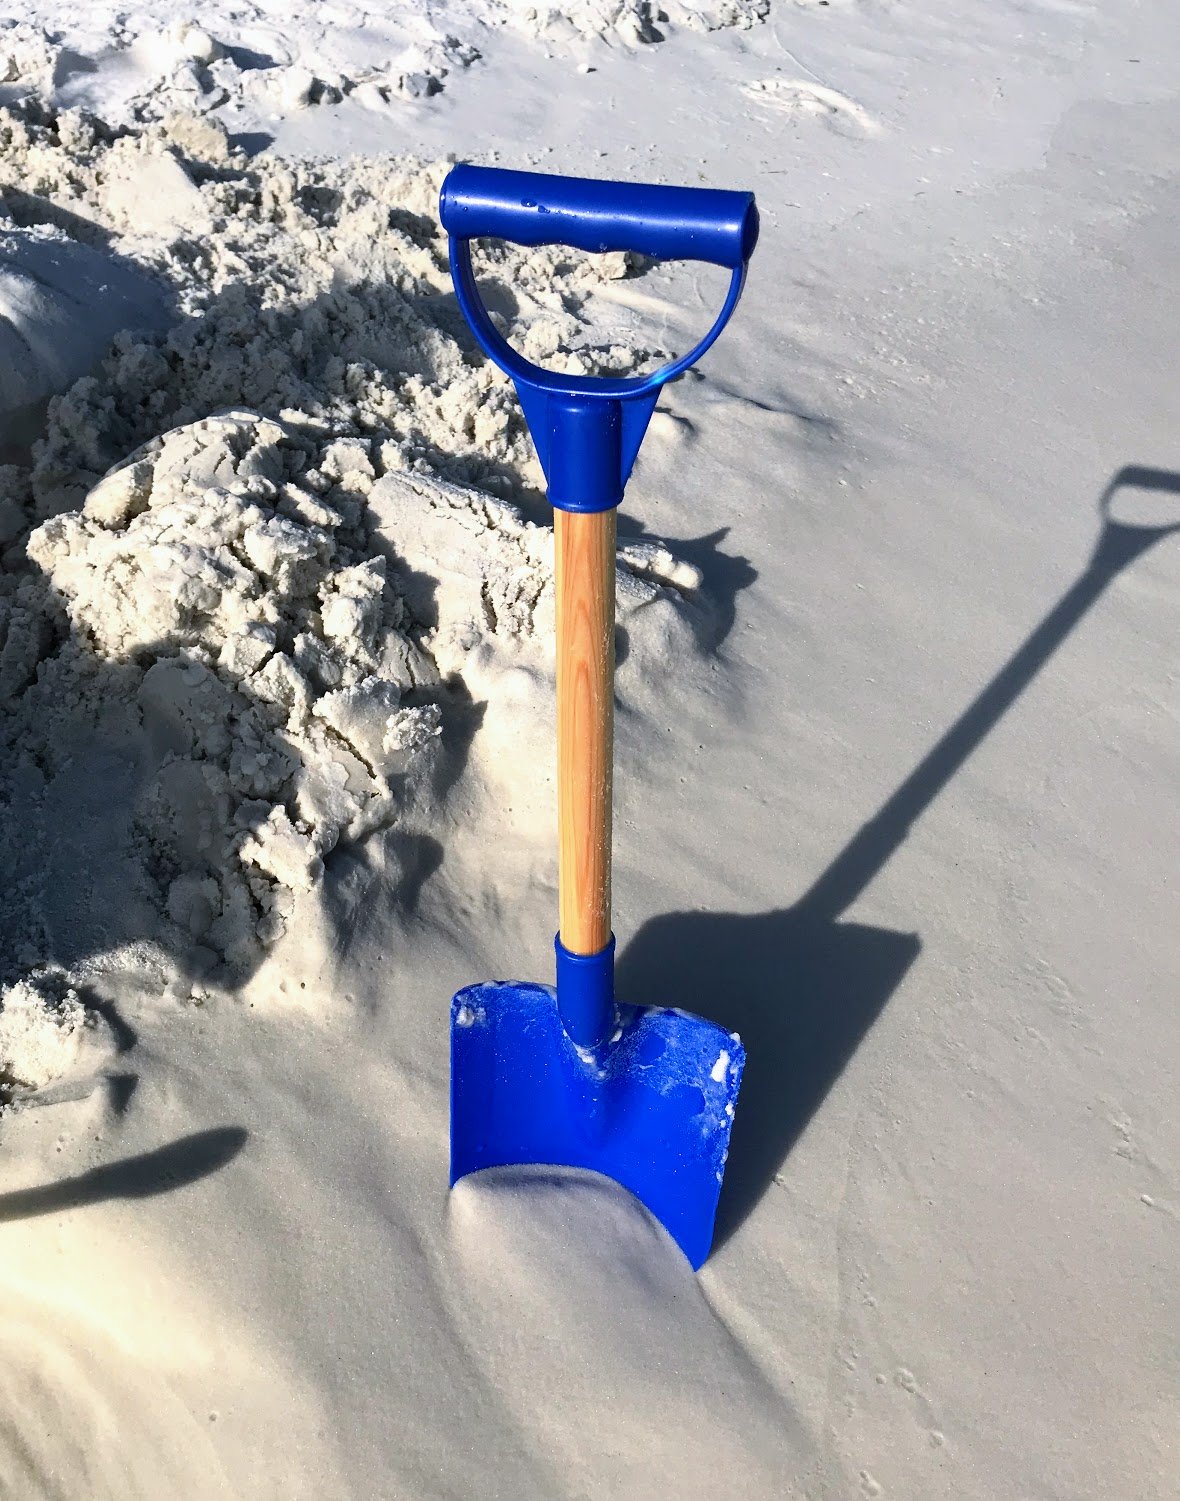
587	429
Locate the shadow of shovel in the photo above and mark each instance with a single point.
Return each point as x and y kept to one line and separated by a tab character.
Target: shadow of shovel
802	986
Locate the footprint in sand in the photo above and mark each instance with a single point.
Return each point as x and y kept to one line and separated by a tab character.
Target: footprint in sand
795	96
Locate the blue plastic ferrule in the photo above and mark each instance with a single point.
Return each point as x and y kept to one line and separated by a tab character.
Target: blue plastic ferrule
585	452
586	993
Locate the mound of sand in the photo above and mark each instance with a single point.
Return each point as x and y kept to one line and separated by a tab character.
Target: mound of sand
271	545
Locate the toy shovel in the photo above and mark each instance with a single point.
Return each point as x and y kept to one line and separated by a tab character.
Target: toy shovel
568	1076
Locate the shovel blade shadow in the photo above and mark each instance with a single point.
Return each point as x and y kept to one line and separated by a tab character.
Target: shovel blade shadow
801	992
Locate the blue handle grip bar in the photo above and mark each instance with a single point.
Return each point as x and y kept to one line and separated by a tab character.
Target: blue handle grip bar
536	208
587	429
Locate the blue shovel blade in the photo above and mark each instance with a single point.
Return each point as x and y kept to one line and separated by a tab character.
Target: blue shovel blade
652	1107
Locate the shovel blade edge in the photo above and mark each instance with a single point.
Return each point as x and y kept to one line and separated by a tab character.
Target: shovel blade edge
651	1107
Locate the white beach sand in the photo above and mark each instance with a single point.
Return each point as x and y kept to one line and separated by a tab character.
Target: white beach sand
897	754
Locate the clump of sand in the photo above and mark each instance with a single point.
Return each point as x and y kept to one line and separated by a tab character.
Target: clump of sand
227	564
44	1032
634	22
254	558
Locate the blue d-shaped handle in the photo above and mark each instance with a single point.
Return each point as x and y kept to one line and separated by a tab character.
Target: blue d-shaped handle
587	429
535	208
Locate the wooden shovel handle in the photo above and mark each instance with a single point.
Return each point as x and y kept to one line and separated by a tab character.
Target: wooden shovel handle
585	550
